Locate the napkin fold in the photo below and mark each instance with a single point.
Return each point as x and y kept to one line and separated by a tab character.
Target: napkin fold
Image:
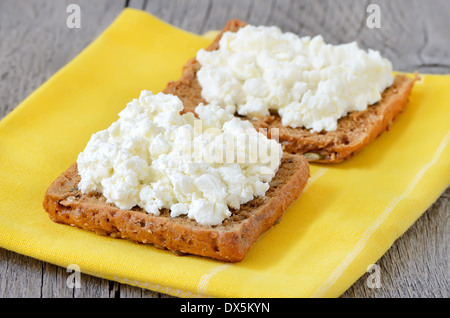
347	217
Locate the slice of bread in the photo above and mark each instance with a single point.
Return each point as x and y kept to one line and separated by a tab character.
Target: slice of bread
354	132
229	241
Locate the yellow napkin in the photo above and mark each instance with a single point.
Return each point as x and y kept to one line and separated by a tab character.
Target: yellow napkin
346	219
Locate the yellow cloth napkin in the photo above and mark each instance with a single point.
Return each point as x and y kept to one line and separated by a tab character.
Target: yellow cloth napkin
346	219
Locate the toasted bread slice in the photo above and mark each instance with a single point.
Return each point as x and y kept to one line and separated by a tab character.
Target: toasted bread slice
355	131
229	241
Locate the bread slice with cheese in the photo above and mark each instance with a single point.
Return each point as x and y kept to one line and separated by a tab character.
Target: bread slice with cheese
354	132
229	241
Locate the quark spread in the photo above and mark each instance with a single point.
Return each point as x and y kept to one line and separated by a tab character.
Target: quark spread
309	82
155	158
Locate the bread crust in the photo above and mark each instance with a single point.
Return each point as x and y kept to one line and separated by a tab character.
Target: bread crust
229	241
355	131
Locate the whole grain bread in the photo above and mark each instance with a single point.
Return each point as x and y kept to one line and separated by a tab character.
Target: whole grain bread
229	241
355	131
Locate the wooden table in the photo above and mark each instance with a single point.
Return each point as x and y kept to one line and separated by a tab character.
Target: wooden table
35	42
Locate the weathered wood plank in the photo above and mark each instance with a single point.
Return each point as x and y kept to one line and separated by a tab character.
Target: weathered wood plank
21	276
35	42
410	38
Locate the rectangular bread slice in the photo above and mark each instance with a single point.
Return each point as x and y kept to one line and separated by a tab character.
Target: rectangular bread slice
229	241
354	132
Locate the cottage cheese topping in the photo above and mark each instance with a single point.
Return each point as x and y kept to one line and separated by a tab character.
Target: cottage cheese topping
310	83
155	158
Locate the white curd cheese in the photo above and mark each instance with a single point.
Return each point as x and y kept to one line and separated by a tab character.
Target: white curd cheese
309	82
155	158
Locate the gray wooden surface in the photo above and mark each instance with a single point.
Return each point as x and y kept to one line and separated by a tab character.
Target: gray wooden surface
35	42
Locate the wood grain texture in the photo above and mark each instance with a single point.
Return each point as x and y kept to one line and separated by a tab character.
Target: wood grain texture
35	43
